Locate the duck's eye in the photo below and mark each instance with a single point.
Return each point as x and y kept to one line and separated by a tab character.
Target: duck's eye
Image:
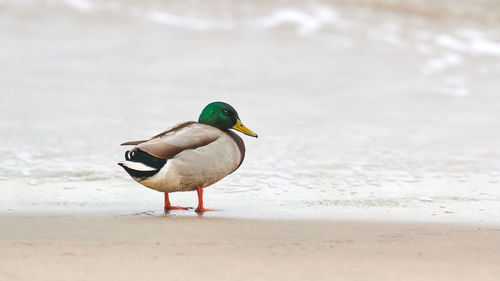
225	112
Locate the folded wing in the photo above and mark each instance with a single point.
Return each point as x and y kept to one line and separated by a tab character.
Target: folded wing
183	136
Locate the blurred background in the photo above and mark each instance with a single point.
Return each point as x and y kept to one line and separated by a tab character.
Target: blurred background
365	109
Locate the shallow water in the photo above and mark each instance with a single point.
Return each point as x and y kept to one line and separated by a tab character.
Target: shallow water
380	110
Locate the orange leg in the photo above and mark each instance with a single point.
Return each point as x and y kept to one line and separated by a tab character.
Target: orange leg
200	208
169	206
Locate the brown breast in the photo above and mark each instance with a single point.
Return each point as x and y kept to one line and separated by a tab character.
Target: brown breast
240	143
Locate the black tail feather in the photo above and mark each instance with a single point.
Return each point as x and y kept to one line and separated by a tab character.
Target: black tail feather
146	159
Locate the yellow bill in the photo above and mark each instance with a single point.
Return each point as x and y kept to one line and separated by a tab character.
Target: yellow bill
242	128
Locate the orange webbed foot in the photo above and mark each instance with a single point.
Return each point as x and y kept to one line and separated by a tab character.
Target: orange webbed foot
176	208
202	210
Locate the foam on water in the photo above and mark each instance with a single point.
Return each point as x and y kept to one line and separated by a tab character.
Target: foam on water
306	22
81	5
186	22
476	45
440	63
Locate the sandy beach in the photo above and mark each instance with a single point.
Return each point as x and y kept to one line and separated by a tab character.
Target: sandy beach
199	248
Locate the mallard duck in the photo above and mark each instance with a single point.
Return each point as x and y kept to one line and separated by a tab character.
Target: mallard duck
190	155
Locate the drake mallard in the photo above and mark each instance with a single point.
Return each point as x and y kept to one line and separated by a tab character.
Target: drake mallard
190	155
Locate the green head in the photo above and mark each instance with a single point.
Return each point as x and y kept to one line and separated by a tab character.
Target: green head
223	116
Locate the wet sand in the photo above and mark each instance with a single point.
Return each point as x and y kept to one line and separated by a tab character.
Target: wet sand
201	248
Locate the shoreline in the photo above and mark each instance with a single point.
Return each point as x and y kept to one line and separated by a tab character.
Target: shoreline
190	248
219	214
472	204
